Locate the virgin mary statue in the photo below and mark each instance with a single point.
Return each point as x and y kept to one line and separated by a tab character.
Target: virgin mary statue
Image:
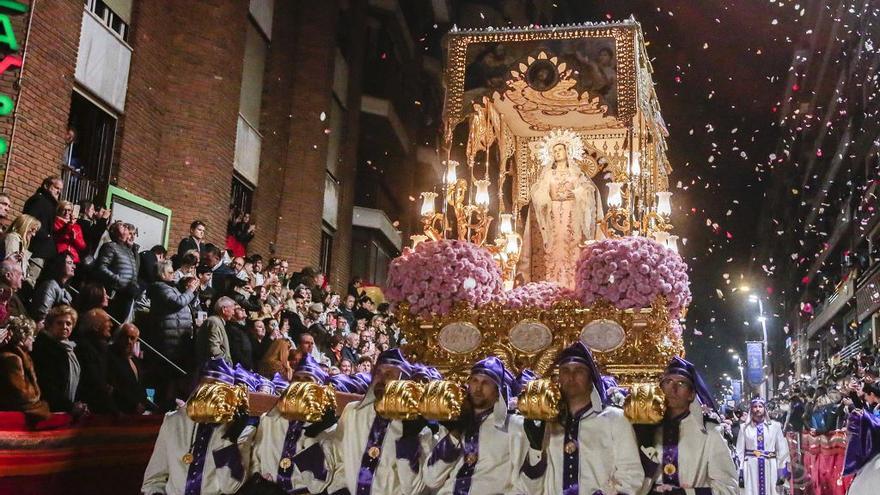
566	206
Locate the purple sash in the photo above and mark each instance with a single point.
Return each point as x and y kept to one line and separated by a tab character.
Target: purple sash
571	456
671	430
294	432
471	451
864	441
369	463
197	466
762	469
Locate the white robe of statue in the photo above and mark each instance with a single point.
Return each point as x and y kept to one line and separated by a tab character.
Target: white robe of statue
567	207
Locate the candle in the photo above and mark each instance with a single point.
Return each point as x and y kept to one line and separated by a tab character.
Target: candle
635	168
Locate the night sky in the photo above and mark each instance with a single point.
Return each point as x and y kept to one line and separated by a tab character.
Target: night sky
720	70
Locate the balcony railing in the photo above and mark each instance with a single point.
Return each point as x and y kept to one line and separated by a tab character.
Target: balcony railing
77	187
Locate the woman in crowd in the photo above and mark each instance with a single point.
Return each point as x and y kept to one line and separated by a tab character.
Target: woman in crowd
91	295
125	372
337	342
172	329
277	359
52	285
17	243
68	233
55	363
19	390
92	350
259	341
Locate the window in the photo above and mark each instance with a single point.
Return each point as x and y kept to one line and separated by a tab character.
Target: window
242	196
326	260
115	14
86	161
326	251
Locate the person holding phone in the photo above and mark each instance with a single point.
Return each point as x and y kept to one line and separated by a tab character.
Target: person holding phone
67	232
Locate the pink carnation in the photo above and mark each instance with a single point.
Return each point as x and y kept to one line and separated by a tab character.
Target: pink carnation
630	272
535	294
437	274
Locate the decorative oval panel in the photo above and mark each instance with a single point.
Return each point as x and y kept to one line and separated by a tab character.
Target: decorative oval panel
530	336
603	335
460	337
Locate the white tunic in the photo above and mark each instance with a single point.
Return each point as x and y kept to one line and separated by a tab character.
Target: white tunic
608	458
393	476
166	471
269	443
499	456
703	458
755	468
867	480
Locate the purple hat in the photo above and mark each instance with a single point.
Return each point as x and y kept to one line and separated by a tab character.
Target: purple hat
245	377
266	386
363	381
525	376
218	369
422	372
610	382
494	369
758	400
343	383
579	353
394	357
280	383
309	365
680	367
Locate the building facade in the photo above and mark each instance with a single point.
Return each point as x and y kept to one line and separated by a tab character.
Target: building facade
183	110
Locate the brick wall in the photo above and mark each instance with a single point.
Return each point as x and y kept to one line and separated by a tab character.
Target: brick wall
184	95
43	103
302	159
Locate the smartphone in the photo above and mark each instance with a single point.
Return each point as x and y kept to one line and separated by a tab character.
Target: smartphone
75	211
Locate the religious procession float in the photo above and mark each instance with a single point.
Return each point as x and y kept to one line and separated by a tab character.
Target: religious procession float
551	225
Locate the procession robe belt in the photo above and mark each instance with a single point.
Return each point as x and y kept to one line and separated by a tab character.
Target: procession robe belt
761	453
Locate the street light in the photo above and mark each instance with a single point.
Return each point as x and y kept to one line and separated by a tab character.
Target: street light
754	298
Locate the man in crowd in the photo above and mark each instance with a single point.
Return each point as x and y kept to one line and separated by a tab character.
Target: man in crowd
148	271
382	456
763	452
42	206
212	340
240	347
221	274
5	208
349	350
347	310
592	448
11	278
299	455
194	240
687	450
117	267
480	450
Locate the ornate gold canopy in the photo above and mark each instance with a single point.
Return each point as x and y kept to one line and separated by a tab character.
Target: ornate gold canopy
513	86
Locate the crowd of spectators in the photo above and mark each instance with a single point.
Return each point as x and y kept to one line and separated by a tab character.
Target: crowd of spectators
92	323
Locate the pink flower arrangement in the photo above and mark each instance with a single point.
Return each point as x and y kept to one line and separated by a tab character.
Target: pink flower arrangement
437	274
535	294
630	272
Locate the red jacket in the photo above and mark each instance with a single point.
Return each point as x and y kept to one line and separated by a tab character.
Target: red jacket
69	238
